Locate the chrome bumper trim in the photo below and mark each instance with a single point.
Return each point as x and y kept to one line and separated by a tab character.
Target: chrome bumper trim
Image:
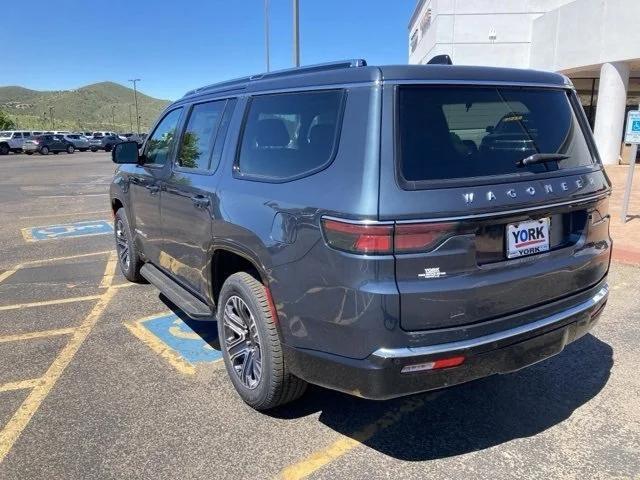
453	347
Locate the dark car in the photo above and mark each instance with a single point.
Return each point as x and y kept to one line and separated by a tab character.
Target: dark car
345	227
43	144
104	142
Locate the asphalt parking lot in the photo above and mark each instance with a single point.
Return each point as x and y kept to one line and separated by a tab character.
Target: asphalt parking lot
100	378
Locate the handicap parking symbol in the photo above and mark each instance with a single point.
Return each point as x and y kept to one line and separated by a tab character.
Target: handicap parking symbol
68	230
635	126
193	342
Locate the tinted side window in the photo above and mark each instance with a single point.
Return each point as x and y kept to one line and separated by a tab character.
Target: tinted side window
198	137
289	135
17	135
162	140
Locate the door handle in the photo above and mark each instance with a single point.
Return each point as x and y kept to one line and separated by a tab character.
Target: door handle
200	201
153	189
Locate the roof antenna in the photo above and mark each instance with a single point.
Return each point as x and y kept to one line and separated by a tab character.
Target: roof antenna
440	60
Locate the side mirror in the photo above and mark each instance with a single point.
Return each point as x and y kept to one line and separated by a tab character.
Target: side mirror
490	129
125	153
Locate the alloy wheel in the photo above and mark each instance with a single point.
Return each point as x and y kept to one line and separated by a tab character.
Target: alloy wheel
122	245
242	343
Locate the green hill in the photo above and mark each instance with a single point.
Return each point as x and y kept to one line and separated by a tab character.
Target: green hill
86	108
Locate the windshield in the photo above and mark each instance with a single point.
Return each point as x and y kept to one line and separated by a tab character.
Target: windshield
451	132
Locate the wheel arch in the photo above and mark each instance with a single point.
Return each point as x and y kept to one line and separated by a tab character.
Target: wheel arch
227	260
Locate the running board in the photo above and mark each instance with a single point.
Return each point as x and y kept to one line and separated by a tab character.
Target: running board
185	300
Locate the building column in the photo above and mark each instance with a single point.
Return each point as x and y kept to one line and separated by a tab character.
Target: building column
612	100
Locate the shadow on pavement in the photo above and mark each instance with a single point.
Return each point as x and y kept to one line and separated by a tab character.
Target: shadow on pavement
469	417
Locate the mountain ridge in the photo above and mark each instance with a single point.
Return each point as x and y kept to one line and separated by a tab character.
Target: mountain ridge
89	107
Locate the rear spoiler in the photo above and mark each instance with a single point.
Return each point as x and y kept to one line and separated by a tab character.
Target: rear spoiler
440	60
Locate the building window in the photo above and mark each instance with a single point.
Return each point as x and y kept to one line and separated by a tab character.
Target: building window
425	23
414	40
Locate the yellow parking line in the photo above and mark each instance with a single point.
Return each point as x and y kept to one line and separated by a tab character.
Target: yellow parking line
21	418
158	346
109	272
59	301
106	212
343	445
20	385
33	263
32	335
8	273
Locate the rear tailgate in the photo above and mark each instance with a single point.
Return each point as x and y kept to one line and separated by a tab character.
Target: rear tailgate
556	215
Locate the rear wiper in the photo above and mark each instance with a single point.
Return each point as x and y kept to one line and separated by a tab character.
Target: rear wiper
542	158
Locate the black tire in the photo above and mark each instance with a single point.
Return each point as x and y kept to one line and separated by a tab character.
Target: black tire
44	150
94	149
275	385
4	149
107	148
129	266
71	149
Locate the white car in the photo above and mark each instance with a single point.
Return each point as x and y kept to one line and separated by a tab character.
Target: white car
12	140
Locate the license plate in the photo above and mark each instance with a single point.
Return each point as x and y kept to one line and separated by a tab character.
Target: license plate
527	238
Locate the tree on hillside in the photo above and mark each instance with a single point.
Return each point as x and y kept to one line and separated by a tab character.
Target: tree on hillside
5	122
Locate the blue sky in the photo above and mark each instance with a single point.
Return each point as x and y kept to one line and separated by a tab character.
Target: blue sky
177	45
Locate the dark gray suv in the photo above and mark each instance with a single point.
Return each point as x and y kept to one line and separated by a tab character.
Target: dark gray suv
376	230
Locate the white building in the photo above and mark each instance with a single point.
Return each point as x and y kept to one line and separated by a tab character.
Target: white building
595	42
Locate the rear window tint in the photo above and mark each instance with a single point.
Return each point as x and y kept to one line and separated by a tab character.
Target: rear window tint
289	135
464	132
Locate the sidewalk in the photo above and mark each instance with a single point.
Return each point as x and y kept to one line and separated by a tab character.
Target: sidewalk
626	247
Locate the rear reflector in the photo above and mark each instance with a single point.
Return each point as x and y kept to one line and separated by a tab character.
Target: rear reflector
358	238
435	365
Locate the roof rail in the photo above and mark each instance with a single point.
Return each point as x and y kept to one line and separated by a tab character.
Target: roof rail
239	83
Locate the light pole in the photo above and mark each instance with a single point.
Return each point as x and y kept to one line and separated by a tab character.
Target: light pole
266	33
53	123
130	119
135	98
113	117
296	34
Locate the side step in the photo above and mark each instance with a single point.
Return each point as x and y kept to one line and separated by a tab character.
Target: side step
185	300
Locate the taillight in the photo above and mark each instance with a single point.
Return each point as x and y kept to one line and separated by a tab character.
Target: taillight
359	238
382	238
419	237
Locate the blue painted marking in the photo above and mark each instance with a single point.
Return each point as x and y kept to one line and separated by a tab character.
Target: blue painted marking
192	345
635	126
71	230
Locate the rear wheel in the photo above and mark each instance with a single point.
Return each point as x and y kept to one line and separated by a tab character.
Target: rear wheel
71	149
128	257
44	151
251	346
107	148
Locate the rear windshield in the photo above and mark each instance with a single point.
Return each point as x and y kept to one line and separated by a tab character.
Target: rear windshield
452	132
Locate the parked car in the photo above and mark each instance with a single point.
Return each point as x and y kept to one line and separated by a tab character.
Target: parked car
106	142
104	134
133	137
80	142
12	140
43	144
342	225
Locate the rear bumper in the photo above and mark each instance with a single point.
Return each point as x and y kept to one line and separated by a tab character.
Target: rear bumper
379	375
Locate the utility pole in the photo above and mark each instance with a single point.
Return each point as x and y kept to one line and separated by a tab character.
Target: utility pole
53	123
113	117
296	34
130	119
266	32
44	120
135	98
